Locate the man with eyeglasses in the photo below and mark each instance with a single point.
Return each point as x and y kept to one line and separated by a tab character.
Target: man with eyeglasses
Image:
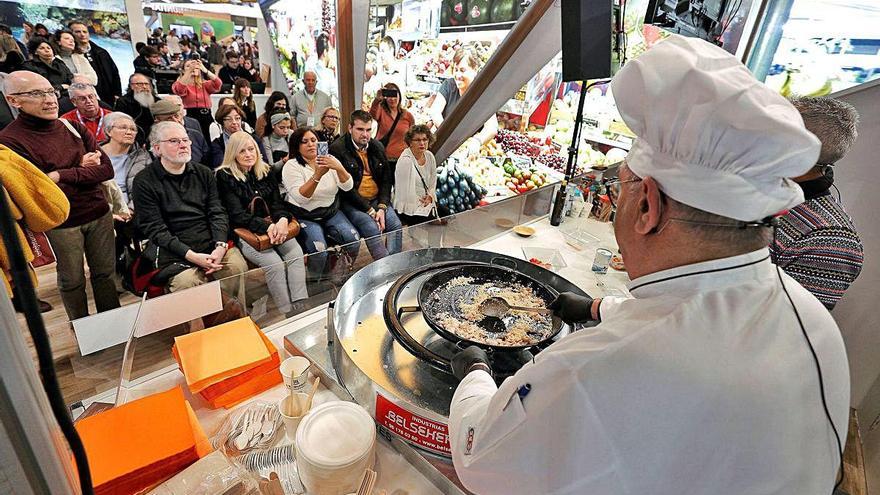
720	374
178	208
68	153
136	103
88	111
170	109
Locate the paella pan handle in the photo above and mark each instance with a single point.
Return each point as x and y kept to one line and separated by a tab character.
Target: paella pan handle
503	262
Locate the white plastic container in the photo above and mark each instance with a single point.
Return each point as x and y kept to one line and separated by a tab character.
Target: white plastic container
335	443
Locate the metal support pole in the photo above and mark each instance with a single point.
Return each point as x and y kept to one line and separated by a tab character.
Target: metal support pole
769	31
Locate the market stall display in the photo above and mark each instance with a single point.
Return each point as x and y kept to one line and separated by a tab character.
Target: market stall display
457	191
130	449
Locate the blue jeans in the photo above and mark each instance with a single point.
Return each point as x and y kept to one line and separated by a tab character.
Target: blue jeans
369	230
315	236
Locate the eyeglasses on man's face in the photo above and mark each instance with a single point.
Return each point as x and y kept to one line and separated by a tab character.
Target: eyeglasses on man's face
176	141
613	186
38	94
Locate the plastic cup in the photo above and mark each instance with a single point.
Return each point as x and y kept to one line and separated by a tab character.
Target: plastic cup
292	409
295	371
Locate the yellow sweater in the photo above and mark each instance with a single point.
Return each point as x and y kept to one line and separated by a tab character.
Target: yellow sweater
35	201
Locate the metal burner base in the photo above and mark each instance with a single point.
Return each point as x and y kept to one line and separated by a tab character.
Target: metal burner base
404	394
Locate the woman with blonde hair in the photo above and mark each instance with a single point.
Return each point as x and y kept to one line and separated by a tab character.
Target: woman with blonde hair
195	86
250	193
11	57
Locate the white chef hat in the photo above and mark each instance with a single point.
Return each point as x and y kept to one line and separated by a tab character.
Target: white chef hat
712	136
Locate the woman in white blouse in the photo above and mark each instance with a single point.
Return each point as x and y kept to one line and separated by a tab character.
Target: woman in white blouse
415	178
312	184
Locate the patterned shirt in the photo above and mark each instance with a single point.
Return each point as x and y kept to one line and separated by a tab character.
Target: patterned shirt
817	244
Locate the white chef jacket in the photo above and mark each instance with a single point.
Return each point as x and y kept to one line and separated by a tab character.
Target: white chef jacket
702	383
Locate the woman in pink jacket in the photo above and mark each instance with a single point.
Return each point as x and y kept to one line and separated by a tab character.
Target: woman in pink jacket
195	86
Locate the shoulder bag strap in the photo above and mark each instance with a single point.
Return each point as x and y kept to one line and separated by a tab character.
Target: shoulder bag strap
387	136
416	167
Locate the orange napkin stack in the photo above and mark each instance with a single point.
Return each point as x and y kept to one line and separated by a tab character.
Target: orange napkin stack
228	363
140	444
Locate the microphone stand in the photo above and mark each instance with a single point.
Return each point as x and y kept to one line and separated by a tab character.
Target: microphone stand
570	166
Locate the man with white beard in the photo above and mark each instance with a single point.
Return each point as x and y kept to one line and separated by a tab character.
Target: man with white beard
136	103
178	208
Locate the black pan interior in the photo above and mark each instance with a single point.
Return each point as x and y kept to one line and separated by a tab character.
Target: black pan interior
437	296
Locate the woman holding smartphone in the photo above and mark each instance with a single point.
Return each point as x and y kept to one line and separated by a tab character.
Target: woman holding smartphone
393	121
313	182
195	86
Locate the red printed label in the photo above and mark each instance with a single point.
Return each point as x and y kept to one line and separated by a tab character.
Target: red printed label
421	431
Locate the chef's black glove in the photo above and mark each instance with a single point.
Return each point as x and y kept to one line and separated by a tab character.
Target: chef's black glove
465	361
572	308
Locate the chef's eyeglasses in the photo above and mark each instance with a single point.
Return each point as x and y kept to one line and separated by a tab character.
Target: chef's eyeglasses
613	187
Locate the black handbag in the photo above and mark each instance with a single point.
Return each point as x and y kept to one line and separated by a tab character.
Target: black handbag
316	215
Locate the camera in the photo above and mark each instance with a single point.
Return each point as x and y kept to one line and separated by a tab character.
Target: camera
389	93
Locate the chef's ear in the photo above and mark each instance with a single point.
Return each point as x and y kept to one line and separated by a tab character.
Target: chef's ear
650	206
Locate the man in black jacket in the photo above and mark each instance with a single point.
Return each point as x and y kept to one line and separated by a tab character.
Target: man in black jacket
368	204
233	69
178	208
109	86
136	103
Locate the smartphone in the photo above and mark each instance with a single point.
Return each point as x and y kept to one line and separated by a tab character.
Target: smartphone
323	148
389	93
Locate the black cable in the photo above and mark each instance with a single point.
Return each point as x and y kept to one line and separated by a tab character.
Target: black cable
21	278
821	379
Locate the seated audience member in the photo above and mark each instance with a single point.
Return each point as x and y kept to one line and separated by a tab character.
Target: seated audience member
179	210
44	62
230	118
276	141
127	157
368	204
68	154
216	129
187	52
165	57
64	103
148	60
41	31
87	111
307	103
816	242
72	56
195	85
233	69
276	101
170	109
313	184
11	57
244	98
242	178
328	128
38	204
415	178
215	53
109	86
136	103
21	46
252	68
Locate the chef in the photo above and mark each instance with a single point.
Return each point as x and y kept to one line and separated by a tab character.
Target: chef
703	381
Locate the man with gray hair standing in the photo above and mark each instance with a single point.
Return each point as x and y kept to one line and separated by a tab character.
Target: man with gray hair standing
88	110
307	104
177	206
816	242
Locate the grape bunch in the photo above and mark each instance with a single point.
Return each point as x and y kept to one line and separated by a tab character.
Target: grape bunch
554	161
328	17
514	142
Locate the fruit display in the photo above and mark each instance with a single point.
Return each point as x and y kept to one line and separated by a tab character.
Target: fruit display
522	180
436	55
457	191
515	142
